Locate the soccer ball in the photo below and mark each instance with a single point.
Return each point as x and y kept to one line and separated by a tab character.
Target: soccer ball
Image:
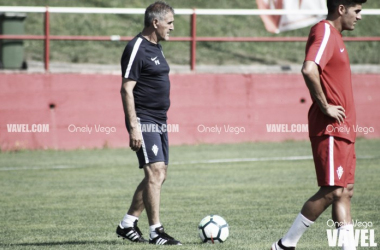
213	229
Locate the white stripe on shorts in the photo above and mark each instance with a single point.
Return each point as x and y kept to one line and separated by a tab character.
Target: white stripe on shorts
331	161
143	144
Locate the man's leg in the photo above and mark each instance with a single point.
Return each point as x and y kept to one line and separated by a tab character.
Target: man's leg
151	159
341	208
136	208
155	175
334	160
310	211
128	228
318	203
147	195
313	208
341	214
137	205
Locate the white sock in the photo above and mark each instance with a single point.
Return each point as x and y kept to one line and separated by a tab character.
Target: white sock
152	230
349	239
300	225
128	221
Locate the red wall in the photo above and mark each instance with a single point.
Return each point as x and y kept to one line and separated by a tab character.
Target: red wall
248	102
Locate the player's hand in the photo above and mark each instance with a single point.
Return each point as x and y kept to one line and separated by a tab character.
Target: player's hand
135	139
336	112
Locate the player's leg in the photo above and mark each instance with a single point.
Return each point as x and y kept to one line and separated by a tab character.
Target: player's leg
341	214
318	203
155	175
152	161
128	228
137	204
310	211
341	208
314	206
331	184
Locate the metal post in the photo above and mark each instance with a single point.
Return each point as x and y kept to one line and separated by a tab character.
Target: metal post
47	39
193	40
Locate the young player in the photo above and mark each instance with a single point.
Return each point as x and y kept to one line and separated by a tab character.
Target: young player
332	116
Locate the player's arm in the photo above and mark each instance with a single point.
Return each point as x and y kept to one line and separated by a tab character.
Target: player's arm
310	73
135	137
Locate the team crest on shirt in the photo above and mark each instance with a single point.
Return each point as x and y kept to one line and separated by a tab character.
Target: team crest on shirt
155	150
339	171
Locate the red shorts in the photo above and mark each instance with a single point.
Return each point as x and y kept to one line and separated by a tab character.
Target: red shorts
334	160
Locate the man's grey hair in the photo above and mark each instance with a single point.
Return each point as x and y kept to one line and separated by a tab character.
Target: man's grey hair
157	10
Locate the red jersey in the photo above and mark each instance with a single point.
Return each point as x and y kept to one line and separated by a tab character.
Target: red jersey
325	47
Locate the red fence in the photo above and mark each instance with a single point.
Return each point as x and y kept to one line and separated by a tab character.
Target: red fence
193	38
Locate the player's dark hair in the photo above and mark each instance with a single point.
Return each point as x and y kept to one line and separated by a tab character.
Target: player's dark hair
157	10
332	5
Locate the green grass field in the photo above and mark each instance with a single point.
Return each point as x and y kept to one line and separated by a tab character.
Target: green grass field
75	199
208	53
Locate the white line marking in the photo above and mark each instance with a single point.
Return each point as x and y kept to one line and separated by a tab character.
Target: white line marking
232	160
39	168
290	158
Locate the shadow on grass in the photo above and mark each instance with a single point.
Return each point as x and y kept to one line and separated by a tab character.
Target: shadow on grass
60	243
65	243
